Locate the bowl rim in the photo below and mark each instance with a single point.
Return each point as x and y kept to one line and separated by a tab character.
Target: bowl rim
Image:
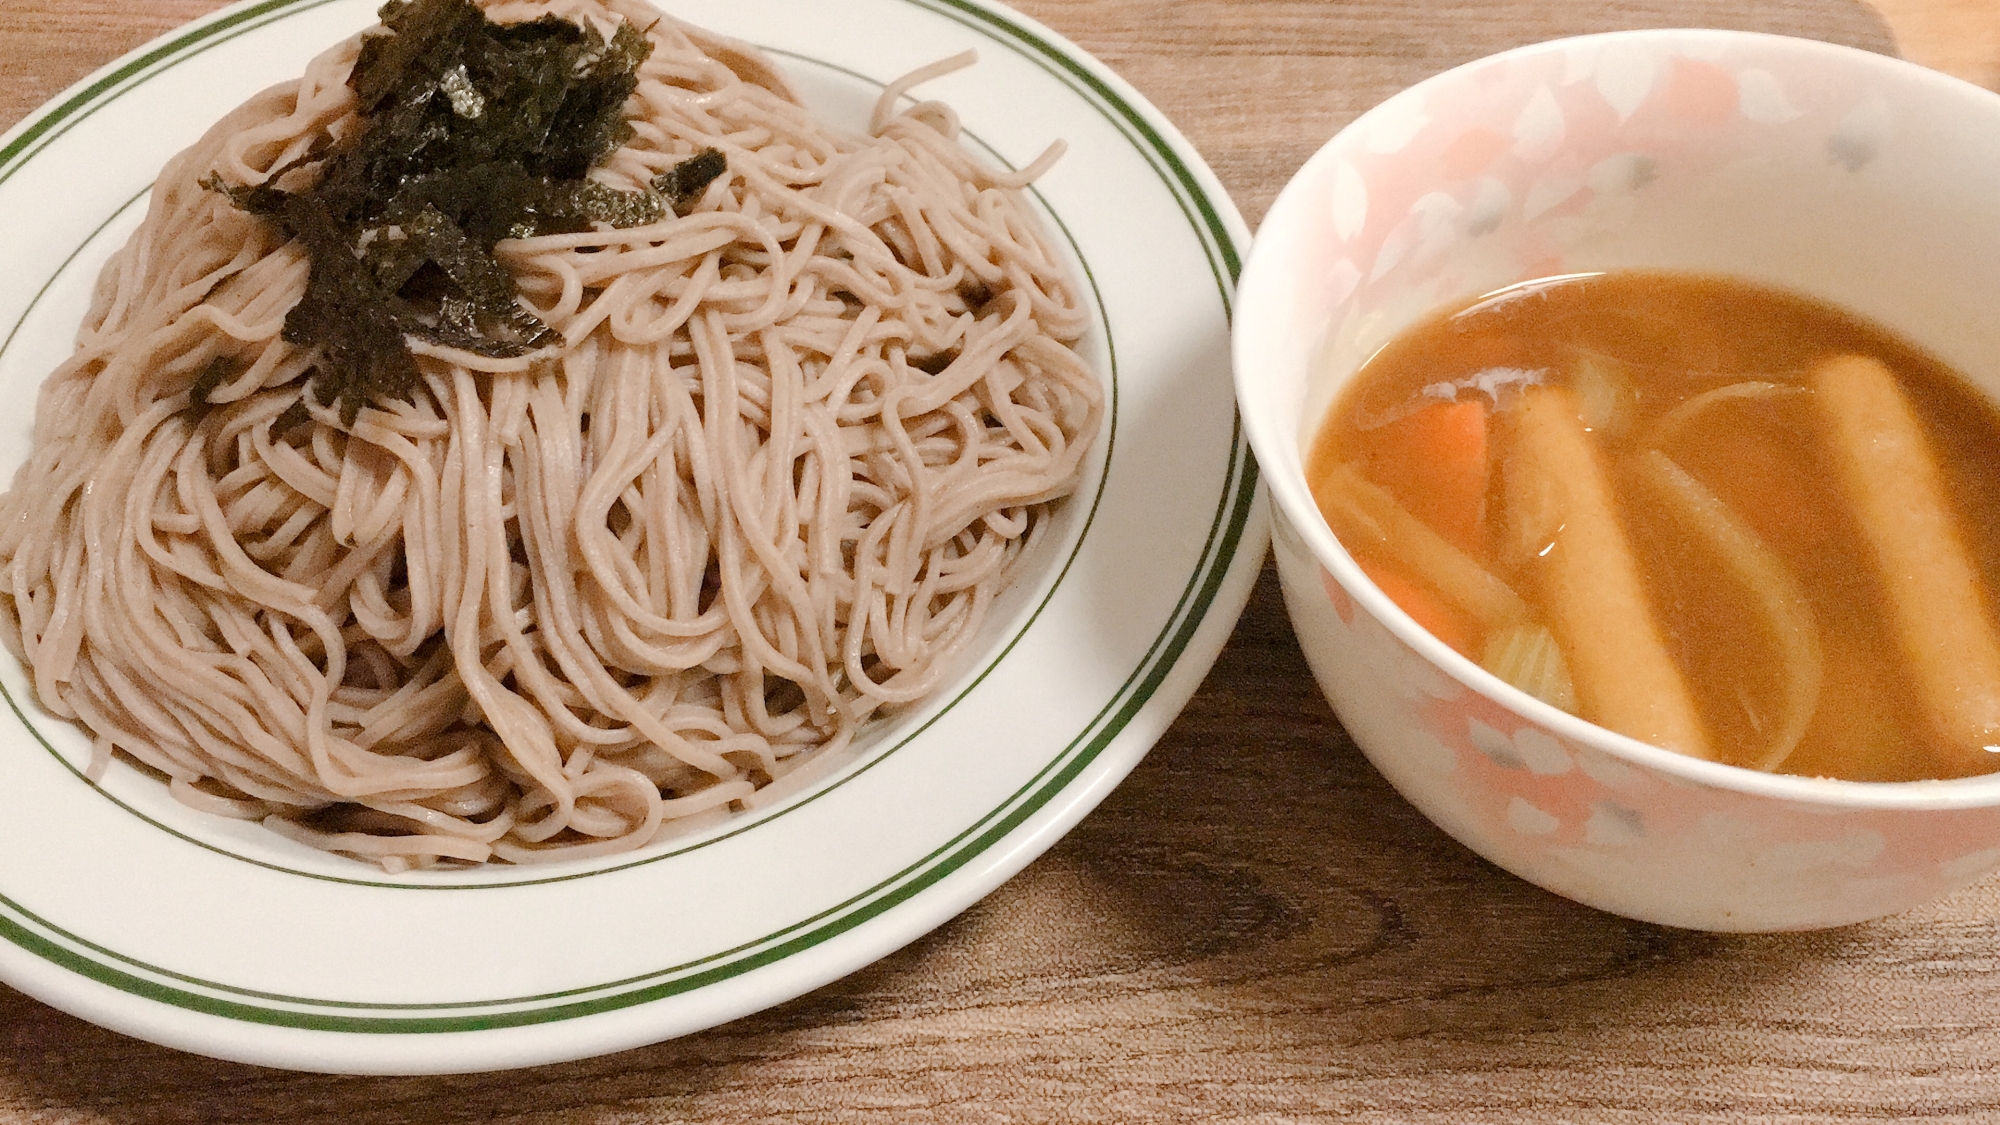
1253	358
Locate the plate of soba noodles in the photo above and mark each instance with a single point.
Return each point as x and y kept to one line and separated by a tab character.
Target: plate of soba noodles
547	525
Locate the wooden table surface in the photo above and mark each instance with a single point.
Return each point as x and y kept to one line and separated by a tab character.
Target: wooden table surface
1254	928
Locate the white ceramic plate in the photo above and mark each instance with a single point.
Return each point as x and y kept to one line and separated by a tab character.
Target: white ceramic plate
121	906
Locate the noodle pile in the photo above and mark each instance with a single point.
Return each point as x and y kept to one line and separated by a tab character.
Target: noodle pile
767	487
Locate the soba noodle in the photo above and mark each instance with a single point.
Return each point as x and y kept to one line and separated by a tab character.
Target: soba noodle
552	603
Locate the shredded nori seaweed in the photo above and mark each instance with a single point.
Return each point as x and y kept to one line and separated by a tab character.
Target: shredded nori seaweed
218	371
294	414
684	182
473	132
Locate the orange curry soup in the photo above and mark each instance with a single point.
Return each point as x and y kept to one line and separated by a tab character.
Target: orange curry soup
1716	517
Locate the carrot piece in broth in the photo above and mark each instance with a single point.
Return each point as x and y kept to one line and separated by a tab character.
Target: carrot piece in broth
1434	463
1425	606
1368	519
1552	477
1940	621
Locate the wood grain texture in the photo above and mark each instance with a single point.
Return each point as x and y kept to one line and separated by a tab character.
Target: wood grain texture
1254	928
1959	37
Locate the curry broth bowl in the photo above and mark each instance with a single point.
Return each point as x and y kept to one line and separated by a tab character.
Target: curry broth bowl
1847	177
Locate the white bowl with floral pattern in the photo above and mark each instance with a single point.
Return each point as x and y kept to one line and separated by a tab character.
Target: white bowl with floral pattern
1850	177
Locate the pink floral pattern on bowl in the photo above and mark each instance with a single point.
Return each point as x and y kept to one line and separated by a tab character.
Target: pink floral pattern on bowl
1825	170
1545	153
1596	826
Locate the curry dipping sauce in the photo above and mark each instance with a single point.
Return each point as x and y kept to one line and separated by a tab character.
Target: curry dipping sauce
1719	518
